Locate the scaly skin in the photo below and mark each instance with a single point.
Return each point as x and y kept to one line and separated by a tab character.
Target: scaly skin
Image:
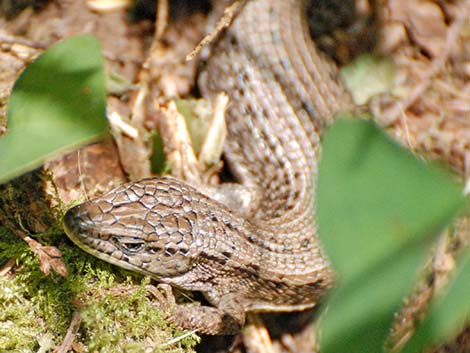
283	93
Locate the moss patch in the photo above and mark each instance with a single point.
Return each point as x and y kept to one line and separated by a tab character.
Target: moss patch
116	311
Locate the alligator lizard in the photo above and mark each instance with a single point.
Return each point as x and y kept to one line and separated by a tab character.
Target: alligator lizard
283	93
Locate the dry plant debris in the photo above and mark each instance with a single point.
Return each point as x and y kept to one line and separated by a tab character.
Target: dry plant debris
429	108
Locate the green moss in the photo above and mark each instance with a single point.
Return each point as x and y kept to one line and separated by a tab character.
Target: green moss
34	312
129	323
117	313
19	325
10	245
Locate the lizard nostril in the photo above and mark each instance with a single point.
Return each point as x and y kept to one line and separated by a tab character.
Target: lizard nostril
73	221
69	220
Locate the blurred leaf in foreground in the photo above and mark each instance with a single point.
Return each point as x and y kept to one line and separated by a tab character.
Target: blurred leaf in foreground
378	211
57	103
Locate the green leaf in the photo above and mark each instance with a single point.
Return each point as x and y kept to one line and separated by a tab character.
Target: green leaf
448	314
158	161
57	103
378	210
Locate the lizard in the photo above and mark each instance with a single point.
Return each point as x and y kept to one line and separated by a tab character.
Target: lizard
283	94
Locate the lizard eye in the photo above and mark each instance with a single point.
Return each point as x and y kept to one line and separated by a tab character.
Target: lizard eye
129	246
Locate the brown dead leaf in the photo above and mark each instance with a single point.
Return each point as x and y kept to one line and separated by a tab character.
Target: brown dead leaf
52	251
424	23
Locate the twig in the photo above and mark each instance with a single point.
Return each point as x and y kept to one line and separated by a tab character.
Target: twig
229	14
161	22
177	144
178	338
7	267
10	40
256	336
71	333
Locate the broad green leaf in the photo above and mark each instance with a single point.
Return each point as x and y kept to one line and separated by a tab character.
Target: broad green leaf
57	103
360	314
378	209
448	314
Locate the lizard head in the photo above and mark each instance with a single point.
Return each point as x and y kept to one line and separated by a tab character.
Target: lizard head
142	226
